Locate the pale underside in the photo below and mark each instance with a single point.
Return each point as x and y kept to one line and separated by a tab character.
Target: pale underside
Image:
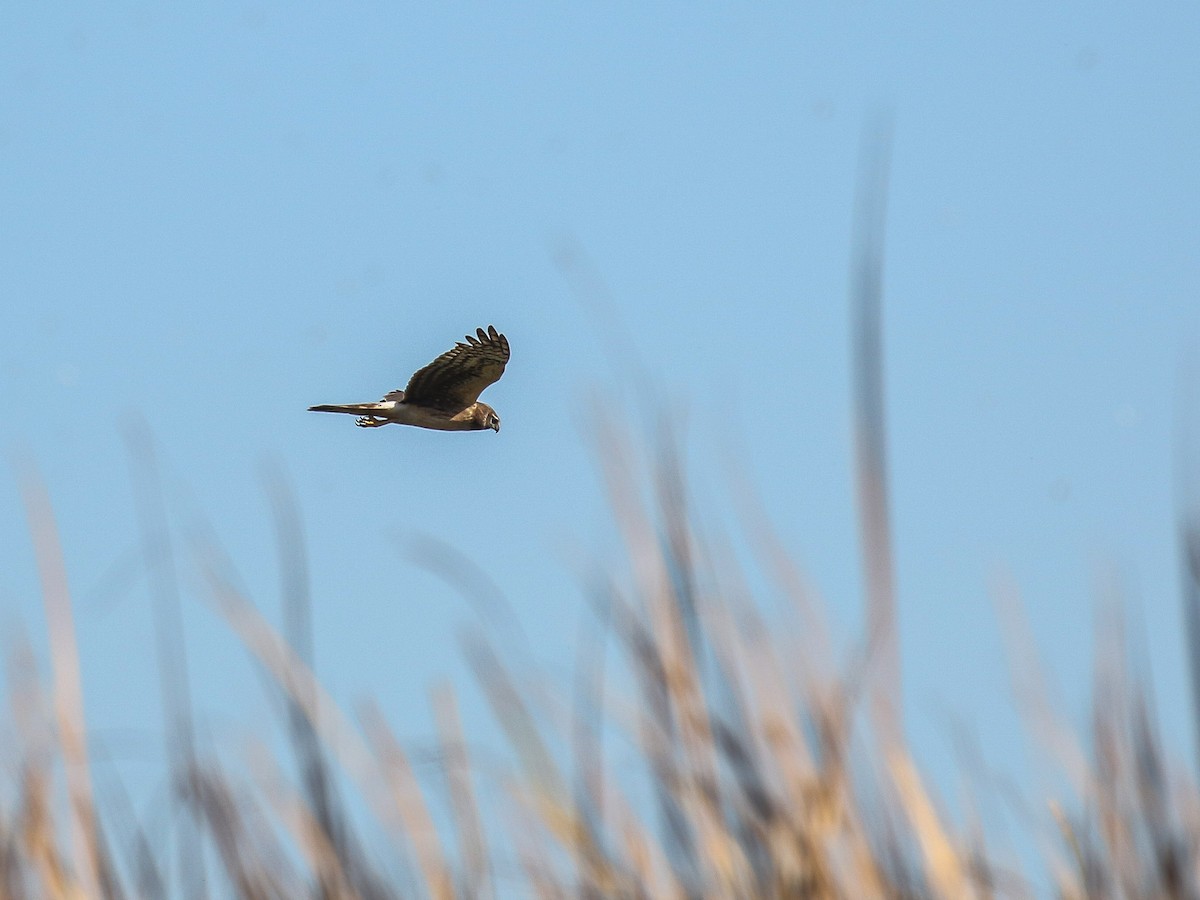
400	413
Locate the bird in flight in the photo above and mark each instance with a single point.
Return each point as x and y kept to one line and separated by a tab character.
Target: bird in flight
444	395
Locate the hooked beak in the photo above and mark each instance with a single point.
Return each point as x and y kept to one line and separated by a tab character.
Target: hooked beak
496	426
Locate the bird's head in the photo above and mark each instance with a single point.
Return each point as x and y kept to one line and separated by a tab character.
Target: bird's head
485	417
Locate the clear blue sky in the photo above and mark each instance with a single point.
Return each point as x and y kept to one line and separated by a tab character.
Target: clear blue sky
216	218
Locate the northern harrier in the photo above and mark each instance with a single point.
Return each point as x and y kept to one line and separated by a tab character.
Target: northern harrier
445	394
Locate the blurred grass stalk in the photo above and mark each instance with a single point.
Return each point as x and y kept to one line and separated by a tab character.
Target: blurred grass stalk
80	872
760	785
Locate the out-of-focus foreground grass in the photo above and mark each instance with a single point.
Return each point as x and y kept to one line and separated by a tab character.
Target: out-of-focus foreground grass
769	773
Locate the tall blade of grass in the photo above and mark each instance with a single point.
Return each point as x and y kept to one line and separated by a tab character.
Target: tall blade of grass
68	691
866	293
1032	690
297	618
25	701
697	686
170	643
816	656
293	811
456	764
241	847
941	857
38	837
657	738
149	883
586	734
1189	537
518	723
416	823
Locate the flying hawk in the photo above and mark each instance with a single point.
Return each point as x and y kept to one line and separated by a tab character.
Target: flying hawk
445	394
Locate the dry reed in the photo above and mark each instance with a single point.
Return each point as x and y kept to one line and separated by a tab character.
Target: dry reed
766	779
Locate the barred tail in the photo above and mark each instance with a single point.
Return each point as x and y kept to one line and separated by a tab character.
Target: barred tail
354	409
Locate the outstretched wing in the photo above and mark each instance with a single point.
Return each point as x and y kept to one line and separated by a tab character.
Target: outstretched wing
456	378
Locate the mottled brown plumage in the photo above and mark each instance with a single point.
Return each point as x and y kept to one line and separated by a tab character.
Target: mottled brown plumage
443	395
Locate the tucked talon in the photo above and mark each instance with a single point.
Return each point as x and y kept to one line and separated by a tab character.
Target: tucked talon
369	422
